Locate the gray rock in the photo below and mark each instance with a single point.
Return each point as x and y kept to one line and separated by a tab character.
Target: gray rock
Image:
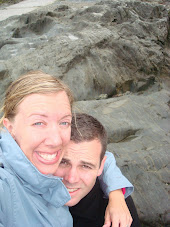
109	47
4	78
139	137
116	48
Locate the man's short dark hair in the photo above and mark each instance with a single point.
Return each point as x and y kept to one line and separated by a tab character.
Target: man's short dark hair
86	128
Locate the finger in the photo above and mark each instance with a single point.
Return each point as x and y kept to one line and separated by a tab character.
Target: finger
106	225
123	222
107	222
115	222
130	221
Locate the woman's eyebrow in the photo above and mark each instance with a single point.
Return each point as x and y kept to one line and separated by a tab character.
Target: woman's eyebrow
68	115
38	114
45	115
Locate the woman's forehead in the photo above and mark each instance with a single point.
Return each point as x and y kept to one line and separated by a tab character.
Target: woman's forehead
45	103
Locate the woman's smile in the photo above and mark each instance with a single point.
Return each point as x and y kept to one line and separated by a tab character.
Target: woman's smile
47	158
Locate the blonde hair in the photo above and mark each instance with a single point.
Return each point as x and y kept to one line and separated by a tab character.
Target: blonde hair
31	83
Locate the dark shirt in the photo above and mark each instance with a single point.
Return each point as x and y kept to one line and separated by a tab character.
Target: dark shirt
90	211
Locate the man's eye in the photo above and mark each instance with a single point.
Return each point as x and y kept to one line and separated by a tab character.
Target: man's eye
86	167
64	163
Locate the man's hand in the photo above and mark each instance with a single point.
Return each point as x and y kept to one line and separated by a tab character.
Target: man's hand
117	213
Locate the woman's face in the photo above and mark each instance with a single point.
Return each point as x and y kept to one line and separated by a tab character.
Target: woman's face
42	127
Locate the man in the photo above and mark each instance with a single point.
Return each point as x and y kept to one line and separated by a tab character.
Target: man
80	167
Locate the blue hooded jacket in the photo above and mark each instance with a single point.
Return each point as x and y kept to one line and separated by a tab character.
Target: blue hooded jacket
27	197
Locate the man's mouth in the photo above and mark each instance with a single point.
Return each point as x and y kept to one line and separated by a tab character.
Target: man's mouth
48	157
72	189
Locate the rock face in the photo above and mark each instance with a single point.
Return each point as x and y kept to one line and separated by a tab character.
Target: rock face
116	52
108	47
138	132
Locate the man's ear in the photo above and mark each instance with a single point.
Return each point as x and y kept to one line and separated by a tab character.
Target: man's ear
101	166
9	126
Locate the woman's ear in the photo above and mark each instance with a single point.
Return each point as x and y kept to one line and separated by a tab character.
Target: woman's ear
9	126
101	166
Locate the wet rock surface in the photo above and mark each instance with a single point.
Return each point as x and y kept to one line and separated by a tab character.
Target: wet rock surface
138	132
115	57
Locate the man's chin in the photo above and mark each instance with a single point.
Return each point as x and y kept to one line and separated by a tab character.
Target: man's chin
72	203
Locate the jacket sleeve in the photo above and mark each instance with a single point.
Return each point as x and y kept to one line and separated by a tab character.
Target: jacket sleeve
112	179
1	216
1	211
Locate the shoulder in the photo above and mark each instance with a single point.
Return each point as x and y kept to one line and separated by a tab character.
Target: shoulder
6	198
4	182
7	184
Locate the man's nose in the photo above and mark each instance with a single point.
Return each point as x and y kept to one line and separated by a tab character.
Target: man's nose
72	176
53	136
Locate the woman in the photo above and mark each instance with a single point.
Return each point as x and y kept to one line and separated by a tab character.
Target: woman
37	116
37	119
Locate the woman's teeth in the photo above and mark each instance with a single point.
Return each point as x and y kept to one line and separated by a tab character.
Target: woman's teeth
48	157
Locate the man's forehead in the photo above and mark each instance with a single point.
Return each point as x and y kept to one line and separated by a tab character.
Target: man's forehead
83	151
91	147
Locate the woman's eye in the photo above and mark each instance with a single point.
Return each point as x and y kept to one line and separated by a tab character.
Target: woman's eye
64	123
38	123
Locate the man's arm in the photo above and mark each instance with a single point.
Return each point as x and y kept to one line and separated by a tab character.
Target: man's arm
117	212
112	181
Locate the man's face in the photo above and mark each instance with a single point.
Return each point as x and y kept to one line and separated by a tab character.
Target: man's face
79	168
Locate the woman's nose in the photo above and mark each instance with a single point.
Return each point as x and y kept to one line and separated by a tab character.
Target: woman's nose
53	136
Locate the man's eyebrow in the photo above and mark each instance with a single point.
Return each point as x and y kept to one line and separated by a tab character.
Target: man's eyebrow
88	164
82	162
65	160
